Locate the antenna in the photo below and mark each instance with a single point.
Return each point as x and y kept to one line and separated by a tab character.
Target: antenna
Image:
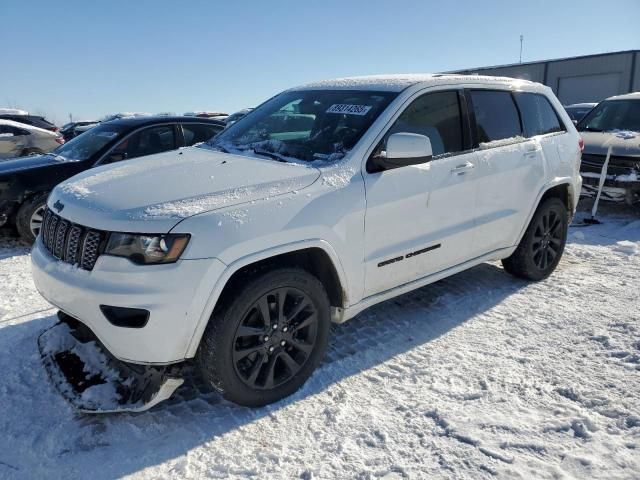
521	40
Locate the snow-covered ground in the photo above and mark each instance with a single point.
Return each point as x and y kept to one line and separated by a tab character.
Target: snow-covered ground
478	376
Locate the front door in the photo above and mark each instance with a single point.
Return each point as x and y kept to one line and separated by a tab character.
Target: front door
420	219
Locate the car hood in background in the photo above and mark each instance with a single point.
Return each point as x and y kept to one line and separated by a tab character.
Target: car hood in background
12	165
625	144
152	194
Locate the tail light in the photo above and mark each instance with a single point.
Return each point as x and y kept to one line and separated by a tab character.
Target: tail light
55	129
581	144
60	140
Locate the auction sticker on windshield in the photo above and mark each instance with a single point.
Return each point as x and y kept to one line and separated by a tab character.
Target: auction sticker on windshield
349	109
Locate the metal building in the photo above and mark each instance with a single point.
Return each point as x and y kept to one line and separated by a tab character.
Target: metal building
589	78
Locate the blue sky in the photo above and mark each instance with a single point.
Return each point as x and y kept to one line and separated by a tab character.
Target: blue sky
91	58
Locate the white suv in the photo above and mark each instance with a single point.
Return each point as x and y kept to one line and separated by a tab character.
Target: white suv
323	201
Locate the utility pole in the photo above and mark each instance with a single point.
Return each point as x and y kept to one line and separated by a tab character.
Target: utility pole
521	40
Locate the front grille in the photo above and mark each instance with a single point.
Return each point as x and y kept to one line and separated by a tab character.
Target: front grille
70	242
617	165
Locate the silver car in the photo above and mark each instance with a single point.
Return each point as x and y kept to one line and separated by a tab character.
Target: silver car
19	139
611	134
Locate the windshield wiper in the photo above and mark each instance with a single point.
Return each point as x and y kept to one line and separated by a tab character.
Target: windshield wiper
271	155
51	154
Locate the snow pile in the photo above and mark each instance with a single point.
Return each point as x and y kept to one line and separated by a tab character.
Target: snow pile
627	247
338	177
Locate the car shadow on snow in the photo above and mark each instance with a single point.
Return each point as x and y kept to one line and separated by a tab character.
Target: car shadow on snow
58	438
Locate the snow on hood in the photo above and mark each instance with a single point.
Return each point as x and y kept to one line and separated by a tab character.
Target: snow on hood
623	143
151	194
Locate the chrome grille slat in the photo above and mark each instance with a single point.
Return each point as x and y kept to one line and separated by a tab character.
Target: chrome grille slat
60	240
90	249
69	242
73	243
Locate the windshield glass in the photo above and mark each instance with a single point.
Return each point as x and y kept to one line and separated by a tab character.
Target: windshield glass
89	143
305	125
613	115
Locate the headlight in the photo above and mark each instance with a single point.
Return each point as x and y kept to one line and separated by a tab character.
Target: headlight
147	249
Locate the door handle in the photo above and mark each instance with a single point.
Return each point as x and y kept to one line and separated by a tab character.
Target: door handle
462	169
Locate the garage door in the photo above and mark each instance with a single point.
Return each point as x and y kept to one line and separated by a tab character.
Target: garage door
588	88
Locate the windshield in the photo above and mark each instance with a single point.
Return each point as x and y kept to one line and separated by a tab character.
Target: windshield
612	115
89	143
304	125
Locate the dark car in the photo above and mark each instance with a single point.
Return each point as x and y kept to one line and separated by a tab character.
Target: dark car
32	120
70	130
614	125
26	182
577	111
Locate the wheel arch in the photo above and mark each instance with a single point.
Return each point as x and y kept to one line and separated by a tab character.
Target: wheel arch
315	256
561	188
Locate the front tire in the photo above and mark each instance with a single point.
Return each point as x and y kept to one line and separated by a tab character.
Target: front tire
542	245
266	340
30	216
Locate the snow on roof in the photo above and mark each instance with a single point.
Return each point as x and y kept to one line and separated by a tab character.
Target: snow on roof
397	83
25	126
13	111
626	96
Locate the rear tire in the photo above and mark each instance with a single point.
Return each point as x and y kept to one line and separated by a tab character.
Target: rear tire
264	342
542	245
30	215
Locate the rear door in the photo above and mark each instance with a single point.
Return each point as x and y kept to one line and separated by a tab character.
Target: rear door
510	169
12	141
419	218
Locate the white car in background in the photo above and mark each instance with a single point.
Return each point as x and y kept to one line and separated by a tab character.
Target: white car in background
20	139
321	202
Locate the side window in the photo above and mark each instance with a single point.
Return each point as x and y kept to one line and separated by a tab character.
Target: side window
496	115
538	116
5	131
146	142
436	115
198	132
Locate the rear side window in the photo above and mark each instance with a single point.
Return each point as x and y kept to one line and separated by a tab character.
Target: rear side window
436	115
496	115
198	132
538	116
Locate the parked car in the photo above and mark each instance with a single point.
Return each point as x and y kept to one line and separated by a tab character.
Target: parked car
578	110
25	183
33	120
239	253
234	117
73	129
20	139
614	123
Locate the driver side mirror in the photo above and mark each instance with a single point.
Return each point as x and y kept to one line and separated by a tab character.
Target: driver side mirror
405	149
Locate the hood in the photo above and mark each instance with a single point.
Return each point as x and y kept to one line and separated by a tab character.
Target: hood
25	163
151	194
625	144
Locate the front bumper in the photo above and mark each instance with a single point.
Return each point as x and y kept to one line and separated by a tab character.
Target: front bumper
92	380
174	294
617	188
